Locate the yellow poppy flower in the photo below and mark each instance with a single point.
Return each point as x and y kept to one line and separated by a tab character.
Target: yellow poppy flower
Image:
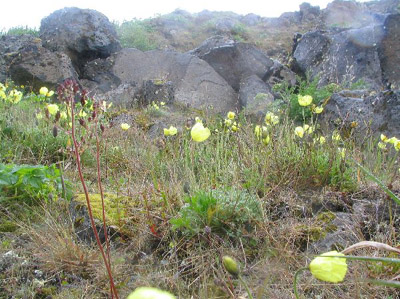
171	131
228	122
271	119
322	140
82	113
397	145
304	100
150	293
39	116
299	131
231	115
125	126
63	115
43	91
199	133
318	109
384	138
330	269
381	145
392	140
266	140
53	109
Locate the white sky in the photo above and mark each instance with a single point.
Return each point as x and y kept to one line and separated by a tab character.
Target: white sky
30	12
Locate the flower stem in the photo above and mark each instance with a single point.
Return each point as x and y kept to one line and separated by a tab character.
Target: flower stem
246	286
78	163
296	276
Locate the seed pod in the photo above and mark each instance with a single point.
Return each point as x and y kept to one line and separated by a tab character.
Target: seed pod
55	131
102	128
230	265
82	122
94	114
58	115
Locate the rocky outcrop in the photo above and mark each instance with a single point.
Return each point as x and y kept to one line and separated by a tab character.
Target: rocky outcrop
341	57
255	96
372	113
83	34
389	51
194	82
234	61
36	66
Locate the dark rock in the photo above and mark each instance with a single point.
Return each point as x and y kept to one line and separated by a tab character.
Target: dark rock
251	19
211	43
195	83
255	96
375	114
225	25
235	61
344	230
10	45
389	51
349	14
83	34
343	58
125	95
309	12
157	91
36	66
279	73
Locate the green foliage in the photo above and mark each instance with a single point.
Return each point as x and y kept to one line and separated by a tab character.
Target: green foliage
226	212
30	182
304	87
137	34
20	30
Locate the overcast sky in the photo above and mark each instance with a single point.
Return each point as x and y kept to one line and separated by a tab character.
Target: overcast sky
30	12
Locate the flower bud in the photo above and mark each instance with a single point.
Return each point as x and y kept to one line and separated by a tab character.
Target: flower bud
58	115
82	122
102	128
55	131
230	265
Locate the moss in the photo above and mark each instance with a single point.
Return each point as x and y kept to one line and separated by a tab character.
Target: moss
312	233
8	227
115	207
46	292
326	217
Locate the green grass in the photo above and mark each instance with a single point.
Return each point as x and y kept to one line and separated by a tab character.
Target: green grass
187	204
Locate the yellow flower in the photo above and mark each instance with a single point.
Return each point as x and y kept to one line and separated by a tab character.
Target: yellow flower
228	122
162	103
230	265
82	113
397	145
299	131
50	93
198	120
266	140
392	140
384	138
125	126
63	115
53	109
342	152
231	115
271	119
171	131
322	140
199	133
14	96
2	87
150	293
304	100
39	116
43	91
307	129
327	268
318	109
381	145
336	136
234	127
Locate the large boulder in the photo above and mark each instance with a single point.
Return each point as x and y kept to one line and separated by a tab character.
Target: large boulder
389	51
36	66
373	113
255	96
342	57
83	34
194	83
10	45
234	61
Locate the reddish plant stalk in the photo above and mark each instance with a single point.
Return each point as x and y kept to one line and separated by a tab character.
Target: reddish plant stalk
78	162
102	196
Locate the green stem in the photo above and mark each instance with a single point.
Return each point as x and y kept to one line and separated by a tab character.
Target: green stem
296	276
246	287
